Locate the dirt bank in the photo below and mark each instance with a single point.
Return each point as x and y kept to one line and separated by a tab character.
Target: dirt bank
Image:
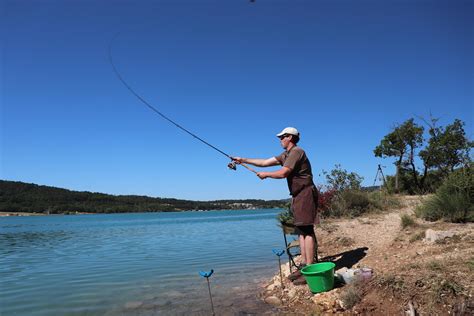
411	274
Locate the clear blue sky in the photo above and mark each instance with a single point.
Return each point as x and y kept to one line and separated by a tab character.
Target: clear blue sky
233	72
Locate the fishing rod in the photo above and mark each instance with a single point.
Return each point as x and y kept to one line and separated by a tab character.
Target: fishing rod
231	165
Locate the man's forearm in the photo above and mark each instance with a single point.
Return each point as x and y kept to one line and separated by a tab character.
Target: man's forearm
274	174
255	161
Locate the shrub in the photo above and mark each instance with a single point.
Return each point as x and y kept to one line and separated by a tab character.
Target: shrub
340	179
325	199
454	199
350	203
407	221
353	203
382	200
285	217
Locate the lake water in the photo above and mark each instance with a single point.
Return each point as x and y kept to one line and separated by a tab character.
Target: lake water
137	264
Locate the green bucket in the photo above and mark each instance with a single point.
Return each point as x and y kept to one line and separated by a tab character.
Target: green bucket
319	276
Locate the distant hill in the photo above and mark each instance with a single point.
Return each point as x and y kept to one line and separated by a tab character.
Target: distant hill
33	198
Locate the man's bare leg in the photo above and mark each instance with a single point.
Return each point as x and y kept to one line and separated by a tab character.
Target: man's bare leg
308	249
303	249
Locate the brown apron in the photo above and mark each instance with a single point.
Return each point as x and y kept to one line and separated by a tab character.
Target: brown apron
304	204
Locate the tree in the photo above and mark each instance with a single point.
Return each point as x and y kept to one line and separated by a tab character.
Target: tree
448	147
402	143
340	179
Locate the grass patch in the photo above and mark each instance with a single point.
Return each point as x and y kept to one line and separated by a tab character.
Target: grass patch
443	288
351	296
470	264
417	236
407	221
435	265
444	241
393	283
344	241
330	228
411	266
383	201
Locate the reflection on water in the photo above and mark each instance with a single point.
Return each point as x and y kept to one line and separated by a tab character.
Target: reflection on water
136	264
11	242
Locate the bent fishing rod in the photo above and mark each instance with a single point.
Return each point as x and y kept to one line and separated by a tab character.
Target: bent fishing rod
232	165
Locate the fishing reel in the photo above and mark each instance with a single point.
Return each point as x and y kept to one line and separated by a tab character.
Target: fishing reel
232	165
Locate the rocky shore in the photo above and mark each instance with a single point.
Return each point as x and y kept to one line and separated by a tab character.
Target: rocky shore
298	299
424	268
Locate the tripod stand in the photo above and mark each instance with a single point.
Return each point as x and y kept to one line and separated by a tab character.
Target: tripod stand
379	175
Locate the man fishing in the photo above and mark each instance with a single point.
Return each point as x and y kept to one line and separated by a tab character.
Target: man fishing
296	168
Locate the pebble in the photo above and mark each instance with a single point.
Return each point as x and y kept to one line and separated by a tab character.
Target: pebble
292	293
273	300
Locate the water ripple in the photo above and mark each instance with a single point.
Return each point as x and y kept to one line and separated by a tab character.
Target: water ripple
57	265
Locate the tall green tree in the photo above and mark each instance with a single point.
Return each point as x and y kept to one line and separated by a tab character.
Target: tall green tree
448	147
402	143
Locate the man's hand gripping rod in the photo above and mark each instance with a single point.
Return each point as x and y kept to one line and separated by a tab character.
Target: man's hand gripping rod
233	165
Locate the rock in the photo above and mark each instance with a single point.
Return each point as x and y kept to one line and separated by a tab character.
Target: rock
291	293
432	236
341	304
271	287
273	300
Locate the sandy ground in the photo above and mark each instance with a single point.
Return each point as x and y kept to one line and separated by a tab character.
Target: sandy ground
20	214
41	214
409	273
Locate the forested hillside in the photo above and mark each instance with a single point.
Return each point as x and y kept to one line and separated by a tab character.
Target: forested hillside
26	197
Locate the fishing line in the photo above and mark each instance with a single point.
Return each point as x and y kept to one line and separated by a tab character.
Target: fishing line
151	107
231	165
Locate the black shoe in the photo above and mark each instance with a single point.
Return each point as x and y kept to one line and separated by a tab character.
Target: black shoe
295	275
300	281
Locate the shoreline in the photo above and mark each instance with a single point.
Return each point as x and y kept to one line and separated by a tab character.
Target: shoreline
7	214
16	214
21	214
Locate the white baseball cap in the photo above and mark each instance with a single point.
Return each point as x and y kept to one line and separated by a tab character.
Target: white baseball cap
289	131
